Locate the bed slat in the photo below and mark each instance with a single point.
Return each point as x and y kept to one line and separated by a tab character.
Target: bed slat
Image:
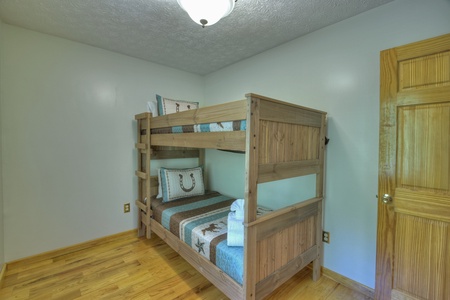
232	140
278	223
141	175
271	172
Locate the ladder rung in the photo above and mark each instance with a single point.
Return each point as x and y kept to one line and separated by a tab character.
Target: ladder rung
141	205
141	146
141	175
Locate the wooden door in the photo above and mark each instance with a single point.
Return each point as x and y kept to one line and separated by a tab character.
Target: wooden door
413	239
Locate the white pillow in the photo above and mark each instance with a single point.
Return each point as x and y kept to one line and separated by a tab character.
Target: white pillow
169	106
180	183
152	106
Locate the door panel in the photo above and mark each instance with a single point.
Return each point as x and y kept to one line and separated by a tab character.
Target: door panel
424	72
419	252
423	147
413	238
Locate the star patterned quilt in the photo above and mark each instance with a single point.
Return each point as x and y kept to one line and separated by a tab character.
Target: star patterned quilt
201	222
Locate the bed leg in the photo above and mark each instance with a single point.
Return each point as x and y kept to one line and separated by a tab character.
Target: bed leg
316	269
141	231
148	233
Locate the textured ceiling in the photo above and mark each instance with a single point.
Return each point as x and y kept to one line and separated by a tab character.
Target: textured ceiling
160	31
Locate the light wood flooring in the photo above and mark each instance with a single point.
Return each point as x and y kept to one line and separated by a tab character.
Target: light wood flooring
127	267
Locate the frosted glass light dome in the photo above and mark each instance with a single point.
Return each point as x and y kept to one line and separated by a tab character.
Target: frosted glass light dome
207	12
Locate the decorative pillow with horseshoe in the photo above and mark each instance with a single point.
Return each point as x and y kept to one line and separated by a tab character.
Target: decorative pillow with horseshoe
168	106
180	183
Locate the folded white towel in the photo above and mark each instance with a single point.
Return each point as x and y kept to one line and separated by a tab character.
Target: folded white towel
238	206
235	234
261	210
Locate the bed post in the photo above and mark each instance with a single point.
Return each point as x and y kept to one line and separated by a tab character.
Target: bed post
320	194
251	177
201	162
148	153
143	173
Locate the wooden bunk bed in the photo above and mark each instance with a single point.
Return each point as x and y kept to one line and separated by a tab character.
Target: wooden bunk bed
278	244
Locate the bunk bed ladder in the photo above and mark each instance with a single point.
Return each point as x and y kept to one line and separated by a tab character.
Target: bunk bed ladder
143	201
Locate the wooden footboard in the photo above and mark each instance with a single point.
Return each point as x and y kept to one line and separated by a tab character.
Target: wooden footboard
286	243
283	141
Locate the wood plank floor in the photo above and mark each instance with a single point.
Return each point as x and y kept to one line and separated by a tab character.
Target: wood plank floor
128	267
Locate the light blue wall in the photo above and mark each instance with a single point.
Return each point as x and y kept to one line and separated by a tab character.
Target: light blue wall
335	69
66	119
68	138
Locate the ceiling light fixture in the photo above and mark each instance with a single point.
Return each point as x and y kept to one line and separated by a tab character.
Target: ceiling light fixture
207	12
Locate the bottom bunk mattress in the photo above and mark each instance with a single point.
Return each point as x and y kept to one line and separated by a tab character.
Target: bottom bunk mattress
201	222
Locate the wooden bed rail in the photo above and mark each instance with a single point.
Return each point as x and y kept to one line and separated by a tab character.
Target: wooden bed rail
278	171
230	111
282	212
216	276
233	140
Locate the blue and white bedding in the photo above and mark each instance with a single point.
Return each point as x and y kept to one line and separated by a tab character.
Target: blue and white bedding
201	222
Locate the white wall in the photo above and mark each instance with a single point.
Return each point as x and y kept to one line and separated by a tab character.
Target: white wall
336	69
2	249
68	138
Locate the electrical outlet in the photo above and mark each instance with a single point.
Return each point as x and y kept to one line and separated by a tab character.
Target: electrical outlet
326	237
126	208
